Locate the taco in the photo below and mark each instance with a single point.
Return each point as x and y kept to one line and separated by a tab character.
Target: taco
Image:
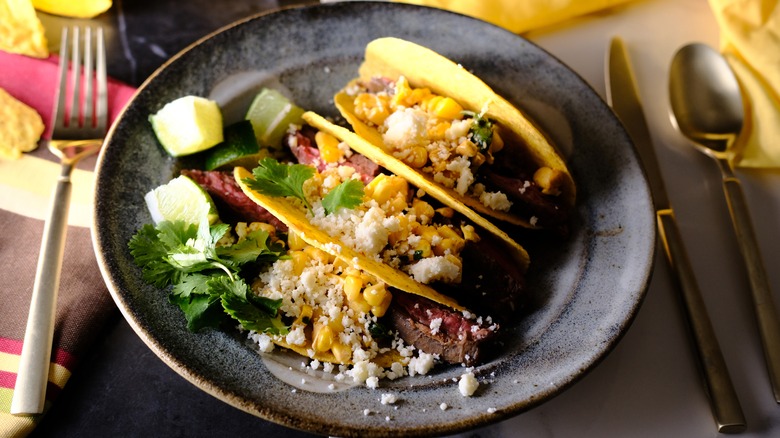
430	120
398	259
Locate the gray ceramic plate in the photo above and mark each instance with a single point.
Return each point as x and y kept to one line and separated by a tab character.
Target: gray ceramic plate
586	289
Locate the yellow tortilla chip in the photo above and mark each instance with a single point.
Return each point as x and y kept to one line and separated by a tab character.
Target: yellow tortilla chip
296	221
21	31
20	127
73	8
357	141
424	68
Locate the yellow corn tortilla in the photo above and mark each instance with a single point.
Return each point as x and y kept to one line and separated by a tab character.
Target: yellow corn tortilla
296	221
20	127
422	67
358	142
21	31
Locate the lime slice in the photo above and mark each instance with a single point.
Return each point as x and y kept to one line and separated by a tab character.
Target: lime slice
187	125
239	148
271	115
182	199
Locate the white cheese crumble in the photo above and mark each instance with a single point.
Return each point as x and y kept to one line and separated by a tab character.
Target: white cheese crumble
468	384
435	325
435	268
405	128
388	399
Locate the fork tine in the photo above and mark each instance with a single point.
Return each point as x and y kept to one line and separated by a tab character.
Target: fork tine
89	77
58	115
75	77
102	85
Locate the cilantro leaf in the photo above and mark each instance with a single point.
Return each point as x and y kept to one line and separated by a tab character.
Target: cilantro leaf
204	276
201	311
481	131
348	194
276	179
261	319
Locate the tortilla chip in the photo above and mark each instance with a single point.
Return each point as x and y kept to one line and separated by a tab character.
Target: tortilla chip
20	127
21	31
73	8
422	67
296	221
358	141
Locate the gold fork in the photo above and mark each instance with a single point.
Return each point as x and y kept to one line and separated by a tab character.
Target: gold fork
80	123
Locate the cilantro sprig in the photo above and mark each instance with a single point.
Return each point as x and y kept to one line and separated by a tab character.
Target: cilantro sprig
281	180
273	178
205	279
348	194
481	130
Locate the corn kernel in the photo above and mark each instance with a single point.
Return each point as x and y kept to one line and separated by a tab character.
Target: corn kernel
340	265
318	254
417	158
550	180
305	316
295	242
328	146
438	131
423	209
447	212
380	309
444	108
299	261
336	324
372	107
402	92
469	233
478	160
374	294
383	187
341	352
467	149
446	231
422	250
402	233
322	337
352	287
397	204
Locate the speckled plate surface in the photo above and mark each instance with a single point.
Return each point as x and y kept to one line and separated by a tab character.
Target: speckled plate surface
586	290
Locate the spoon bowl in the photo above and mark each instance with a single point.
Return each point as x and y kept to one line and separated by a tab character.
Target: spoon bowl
707	108
705	97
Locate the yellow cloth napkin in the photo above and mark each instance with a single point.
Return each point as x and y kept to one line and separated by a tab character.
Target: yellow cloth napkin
520	15
750	40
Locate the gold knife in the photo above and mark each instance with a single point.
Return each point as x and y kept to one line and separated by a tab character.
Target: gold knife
623	97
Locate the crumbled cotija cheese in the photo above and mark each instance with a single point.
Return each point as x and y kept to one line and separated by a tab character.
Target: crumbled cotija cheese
430	269
468	384
405	128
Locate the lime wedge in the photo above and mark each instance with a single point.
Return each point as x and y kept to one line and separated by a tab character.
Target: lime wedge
271	115
239	148
182	199
187	125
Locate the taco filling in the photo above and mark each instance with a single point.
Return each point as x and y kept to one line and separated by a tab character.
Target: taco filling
447	125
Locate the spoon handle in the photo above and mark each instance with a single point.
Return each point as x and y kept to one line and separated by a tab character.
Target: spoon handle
766	312
723	398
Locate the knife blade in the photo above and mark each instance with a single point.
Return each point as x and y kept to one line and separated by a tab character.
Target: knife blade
623	96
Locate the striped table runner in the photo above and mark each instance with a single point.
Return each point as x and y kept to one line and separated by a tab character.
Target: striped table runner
26	185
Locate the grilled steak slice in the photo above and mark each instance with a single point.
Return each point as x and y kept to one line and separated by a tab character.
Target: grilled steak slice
436	329
302	146
232	203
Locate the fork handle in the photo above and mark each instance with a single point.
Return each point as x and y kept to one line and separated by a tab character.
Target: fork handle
33	374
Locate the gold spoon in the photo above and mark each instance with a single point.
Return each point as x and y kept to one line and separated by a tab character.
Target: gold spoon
707	108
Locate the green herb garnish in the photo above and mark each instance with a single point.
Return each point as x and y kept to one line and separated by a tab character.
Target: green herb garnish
348	194
481	131
273	178
205	278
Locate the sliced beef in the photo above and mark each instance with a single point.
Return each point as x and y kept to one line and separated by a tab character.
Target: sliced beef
454	338
528	199
232	203
302	147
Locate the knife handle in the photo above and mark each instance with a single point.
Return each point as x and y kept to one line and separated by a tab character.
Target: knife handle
766	313
723	398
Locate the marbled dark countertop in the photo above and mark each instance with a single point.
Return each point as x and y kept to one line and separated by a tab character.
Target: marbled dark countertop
121	374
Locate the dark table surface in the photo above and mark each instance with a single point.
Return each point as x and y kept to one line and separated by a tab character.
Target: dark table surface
121	374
